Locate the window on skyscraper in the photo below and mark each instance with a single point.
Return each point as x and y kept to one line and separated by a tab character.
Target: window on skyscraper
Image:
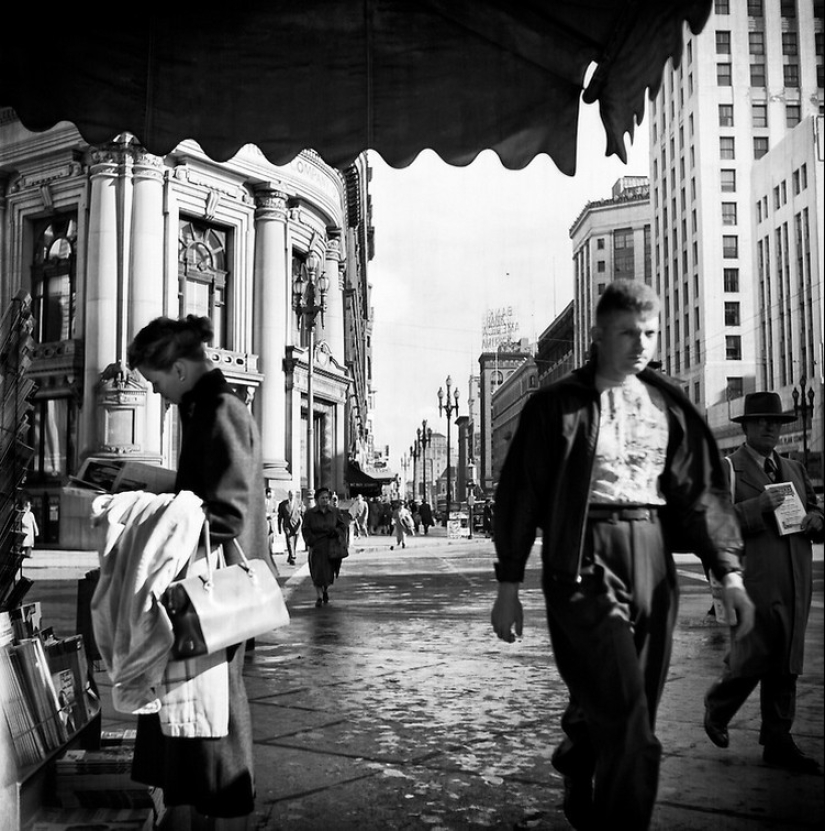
726	115
731	279
733	348
730	246
759	115
760	146
792	115
732	317
790	74
721	6
787	8
755	8
735	387
729	213
727	147
758	75
723	74
728	180
790	43
756	43
723	43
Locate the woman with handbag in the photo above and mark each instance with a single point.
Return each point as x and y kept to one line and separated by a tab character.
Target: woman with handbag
325	532
206	782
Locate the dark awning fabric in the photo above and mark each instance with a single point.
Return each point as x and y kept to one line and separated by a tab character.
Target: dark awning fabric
360	482
342	76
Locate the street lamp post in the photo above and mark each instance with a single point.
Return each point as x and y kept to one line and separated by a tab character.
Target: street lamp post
449	408
801	408
309	297
425	435
415	452
405	464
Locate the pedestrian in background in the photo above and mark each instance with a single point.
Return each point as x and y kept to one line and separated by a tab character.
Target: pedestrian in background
359	510
779	579
386	517
219	461
415	510
374	515
426	516
487	518
615	466
290	518
28	523
271	507
402	523
324	529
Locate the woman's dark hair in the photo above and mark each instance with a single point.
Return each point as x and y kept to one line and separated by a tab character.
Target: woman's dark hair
165	340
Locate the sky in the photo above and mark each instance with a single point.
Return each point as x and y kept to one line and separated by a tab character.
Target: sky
452	243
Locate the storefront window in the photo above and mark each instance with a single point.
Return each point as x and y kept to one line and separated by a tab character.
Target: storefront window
53	278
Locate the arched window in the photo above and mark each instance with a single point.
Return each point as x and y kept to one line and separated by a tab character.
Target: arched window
496	379
53	277
203	274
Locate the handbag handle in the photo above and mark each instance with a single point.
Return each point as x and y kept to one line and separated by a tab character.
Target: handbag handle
207	541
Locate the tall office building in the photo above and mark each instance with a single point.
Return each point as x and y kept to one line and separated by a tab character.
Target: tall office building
611	240
753	74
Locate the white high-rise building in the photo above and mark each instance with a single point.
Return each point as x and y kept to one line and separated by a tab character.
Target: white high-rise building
752	75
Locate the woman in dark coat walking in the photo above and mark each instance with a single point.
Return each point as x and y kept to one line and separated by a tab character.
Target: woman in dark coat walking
219	461
324	529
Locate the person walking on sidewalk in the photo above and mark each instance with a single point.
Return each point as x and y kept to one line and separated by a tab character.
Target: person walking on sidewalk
426	516
290	517
402	523
29	527
779	579
615	466
324	529
359	511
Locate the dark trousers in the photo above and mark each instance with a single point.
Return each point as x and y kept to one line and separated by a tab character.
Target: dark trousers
777	701
612	637
291	543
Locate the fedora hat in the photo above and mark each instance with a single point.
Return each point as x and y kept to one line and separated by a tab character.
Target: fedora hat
763	405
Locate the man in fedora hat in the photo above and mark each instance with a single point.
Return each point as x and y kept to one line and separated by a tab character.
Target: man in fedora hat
778	578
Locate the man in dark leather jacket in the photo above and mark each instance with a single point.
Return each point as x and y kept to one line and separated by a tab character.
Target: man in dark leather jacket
617	469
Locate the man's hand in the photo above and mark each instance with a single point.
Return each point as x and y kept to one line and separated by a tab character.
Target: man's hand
770	500
812	523
738	605
507	612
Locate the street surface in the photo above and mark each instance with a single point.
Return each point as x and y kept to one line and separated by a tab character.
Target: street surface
395	707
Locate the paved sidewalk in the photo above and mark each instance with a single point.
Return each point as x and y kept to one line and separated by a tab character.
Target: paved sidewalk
396	708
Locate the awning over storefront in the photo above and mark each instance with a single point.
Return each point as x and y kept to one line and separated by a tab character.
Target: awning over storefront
343	76
360	482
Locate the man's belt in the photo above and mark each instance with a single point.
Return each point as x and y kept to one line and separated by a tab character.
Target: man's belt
622	513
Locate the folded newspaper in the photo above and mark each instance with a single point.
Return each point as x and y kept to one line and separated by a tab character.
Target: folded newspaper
790	513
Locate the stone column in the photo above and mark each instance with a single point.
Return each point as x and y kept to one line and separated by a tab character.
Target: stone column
101	306
271	315
146	288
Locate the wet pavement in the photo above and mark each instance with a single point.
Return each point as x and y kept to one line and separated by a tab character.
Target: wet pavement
395	707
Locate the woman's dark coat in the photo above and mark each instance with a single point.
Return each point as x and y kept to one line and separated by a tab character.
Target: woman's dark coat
220	461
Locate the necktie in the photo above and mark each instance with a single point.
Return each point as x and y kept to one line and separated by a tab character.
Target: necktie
771	469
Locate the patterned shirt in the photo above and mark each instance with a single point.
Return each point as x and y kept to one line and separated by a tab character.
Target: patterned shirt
632	446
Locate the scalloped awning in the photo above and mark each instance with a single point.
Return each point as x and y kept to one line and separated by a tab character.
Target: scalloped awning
342	76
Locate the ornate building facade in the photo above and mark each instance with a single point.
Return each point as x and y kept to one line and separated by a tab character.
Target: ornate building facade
107	238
